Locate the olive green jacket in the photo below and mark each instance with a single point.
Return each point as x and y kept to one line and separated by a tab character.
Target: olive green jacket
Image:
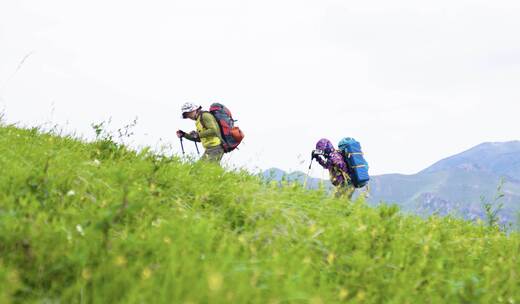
208	131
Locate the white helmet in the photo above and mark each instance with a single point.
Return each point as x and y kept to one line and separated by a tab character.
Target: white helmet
189	107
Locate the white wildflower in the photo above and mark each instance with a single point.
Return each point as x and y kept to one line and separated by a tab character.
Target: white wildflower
157	223
80	230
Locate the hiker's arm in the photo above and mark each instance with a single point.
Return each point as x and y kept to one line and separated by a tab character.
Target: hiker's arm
211	126
322	162
193	136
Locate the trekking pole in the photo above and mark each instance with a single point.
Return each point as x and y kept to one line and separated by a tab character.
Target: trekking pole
182	147
312	159
308	172
307	177
197	147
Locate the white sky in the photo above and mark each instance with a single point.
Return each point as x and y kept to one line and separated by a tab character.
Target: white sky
414	81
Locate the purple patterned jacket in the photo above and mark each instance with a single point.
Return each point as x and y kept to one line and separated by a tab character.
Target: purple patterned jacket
336	166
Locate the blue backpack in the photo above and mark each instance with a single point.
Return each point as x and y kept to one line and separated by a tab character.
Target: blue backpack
358	166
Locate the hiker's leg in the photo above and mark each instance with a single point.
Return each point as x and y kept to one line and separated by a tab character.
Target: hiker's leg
366	193
344	191
349	192
339	192
214	154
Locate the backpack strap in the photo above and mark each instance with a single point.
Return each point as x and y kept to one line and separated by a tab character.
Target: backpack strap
202	119
354	153
349	154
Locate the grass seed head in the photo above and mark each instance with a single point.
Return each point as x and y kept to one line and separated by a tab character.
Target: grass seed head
215	282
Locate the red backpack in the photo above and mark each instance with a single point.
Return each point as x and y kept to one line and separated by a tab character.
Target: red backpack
231	135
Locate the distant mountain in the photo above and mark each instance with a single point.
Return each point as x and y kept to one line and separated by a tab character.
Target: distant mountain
456	185
499	158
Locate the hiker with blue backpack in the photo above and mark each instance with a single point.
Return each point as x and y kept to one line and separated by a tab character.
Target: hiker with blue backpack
347	166
215	130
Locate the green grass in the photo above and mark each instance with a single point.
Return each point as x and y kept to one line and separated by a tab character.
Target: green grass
98	223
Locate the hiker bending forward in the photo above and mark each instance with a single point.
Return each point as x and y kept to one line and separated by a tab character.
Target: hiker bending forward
208	132
331	159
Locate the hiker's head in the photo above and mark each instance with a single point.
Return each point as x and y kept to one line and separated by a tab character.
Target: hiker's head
325	145
190	110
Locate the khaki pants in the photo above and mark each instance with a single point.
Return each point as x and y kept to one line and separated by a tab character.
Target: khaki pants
213	154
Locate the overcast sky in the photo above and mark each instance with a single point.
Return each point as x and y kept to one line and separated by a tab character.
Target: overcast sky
414	81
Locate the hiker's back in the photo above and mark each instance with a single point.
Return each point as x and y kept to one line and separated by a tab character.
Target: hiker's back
205	123
338	169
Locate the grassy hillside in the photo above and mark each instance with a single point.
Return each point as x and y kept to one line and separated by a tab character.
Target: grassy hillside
96	223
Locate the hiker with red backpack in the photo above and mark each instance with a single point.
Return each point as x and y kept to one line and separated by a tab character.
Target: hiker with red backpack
347	167
215	130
